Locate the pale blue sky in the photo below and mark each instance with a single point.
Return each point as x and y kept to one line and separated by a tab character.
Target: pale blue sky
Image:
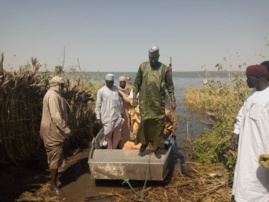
110	35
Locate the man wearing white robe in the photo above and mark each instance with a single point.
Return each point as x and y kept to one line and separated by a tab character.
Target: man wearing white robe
108	111
251	180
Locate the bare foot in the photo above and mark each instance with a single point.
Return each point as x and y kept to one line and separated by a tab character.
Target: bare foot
55	190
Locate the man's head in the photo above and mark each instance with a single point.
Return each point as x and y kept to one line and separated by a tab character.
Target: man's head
109	80
57	83
154	55
122	81
266	64
256	76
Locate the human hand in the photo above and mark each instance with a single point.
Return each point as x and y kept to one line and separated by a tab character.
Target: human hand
99	121
135	102
173	136
173	106
68	135
234	140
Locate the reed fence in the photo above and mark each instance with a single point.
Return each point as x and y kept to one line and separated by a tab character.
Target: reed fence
21	95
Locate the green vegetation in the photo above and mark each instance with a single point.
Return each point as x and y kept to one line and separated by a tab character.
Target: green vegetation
221	101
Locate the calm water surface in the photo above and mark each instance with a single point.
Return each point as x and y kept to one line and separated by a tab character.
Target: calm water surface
79	183
188	123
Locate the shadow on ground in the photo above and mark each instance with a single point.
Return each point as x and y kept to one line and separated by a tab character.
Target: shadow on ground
73	172
16	179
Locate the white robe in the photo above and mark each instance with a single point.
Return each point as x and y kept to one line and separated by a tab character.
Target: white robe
108	108
251	180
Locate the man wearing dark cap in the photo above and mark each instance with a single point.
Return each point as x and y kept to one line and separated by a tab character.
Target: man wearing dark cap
151	81
251	180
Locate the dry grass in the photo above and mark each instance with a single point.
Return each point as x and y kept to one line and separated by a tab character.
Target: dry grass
21	95
206	183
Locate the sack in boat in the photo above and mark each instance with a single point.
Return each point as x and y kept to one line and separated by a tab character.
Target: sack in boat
264	160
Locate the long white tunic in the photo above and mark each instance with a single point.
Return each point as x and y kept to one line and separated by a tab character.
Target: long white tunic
251	180
108	108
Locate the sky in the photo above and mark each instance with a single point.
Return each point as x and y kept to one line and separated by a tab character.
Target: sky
115	35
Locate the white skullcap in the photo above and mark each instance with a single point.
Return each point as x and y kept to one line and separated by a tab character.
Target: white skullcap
56	80
154	51
109	77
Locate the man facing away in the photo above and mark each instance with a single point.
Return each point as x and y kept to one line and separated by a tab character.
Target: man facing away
124	92
151	81
54	129
108	111
251	180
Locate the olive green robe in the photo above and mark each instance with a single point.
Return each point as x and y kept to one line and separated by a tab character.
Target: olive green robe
150	83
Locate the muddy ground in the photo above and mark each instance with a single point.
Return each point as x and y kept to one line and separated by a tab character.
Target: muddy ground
31	181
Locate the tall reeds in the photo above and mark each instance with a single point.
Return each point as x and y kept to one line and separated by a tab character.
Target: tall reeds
222	102
21	95
20	103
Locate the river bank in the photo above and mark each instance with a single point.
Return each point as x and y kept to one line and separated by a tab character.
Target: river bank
32	183
25	175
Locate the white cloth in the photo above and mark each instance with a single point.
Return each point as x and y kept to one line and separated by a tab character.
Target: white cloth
108	108
251	180
56	80
132	94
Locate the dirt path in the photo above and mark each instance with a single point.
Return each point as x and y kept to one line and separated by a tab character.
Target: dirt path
24	183
77	183
32	183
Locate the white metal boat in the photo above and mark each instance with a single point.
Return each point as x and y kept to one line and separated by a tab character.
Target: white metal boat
116	164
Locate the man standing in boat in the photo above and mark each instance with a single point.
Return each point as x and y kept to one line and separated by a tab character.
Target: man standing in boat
108	111
151	80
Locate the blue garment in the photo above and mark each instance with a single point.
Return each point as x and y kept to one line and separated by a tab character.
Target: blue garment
176	151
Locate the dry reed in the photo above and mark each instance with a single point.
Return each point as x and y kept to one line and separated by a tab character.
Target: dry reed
21	95
204	184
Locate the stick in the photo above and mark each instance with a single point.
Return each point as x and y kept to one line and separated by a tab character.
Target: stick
80	75
213	189
92	198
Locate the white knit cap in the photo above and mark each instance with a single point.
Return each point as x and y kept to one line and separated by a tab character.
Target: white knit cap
109	77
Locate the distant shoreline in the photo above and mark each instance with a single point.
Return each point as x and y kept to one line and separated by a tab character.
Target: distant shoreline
172	72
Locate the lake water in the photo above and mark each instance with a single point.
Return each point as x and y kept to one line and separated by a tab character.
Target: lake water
81	183
188	123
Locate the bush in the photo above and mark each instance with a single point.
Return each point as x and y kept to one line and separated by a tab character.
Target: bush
221	101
